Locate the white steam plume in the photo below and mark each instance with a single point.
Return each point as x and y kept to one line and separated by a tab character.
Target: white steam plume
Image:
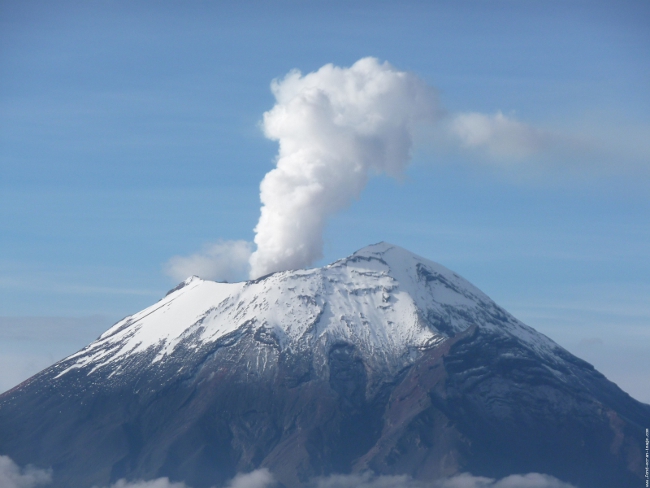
222	261
501	136
335	127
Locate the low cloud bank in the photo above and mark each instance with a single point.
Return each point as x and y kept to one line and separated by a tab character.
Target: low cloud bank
262	478
530	480
465	480
157	483
12	476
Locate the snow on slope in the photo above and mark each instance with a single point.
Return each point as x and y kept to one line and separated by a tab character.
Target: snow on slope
387	301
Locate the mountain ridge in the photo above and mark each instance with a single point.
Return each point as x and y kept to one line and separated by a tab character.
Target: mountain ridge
391	323
382	360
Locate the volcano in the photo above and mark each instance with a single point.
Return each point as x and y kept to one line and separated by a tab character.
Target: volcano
382	361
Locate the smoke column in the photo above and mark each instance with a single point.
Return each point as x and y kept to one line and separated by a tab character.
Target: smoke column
335	127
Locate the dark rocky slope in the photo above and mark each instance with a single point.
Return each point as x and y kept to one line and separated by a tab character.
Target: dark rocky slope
474	400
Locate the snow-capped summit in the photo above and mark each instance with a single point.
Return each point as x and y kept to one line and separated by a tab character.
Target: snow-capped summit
381	361
388	302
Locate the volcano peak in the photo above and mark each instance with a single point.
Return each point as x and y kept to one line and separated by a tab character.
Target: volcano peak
382	360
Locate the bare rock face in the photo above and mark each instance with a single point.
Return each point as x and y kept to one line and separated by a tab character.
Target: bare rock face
382	361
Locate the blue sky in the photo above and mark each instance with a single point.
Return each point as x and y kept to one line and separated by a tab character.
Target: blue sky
130	133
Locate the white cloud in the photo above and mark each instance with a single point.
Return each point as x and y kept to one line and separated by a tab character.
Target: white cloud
157	483
222	261
523	149
531	480
12	476
501	136
464	480
335	127
260	478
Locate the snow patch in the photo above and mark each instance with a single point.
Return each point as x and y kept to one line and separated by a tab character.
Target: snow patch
383	299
